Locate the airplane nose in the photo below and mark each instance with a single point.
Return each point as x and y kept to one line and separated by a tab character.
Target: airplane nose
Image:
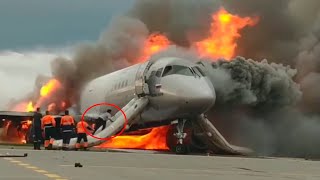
185	96
202	97
206	98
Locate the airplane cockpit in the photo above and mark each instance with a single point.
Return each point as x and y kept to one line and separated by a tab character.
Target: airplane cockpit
179	83
182	70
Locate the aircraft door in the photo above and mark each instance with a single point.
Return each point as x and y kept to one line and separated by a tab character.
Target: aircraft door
140	79
154	82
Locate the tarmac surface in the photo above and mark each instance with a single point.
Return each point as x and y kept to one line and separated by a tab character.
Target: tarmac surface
146	165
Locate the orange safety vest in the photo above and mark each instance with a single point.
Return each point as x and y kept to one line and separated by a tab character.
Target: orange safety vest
48	120
67	121
80	127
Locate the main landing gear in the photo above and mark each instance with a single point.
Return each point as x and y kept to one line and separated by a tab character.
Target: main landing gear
180	148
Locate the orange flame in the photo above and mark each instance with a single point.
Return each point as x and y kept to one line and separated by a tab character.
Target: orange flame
51	86
45	92
23	106
155	43
30	107
154	140
221	43
15	134
224	32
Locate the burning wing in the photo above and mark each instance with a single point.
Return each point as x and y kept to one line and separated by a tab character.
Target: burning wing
16	116
15	126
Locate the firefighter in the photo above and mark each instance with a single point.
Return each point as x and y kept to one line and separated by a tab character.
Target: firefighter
81	134
48	126
102	120
67	128
36	129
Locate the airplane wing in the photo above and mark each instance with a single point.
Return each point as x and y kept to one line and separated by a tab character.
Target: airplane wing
13	115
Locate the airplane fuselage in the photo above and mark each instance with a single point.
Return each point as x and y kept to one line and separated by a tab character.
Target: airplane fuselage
175	90
153	92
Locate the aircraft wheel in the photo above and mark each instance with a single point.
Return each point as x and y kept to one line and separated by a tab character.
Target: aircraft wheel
181	149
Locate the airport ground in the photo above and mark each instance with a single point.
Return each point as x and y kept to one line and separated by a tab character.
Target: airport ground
146	165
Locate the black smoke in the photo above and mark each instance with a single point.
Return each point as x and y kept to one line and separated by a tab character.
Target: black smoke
259	102
269	103
258	106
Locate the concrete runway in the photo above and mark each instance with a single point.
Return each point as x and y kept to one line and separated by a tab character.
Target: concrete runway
59	165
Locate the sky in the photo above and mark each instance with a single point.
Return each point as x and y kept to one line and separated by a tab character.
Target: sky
34	32
35	23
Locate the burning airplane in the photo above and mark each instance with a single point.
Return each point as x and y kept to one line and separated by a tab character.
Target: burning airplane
155	93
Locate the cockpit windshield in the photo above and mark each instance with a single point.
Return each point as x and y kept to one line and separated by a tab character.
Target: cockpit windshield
159	71
177	69
198	71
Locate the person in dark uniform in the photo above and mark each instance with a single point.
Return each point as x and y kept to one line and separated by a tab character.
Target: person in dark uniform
102	120
36	129
67	126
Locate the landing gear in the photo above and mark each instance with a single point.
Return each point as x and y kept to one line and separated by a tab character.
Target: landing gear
180	135
181	149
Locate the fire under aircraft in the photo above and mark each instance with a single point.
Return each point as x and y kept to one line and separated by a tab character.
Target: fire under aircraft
159	92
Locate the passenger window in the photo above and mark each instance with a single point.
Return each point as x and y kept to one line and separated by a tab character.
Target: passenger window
158	73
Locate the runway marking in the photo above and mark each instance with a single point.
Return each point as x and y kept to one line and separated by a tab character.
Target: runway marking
199	170
52	175
31	167
36	169
211	171
41	171
13	161
132	167
23	164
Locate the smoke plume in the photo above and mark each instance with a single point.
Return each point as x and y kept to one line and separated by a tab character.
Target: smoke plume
256	106
118	47
19	70
248	82
288	33
259	103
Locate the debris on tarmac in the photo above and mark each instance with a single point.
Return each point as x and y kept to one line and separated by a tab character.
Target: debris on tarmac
77	165
8	155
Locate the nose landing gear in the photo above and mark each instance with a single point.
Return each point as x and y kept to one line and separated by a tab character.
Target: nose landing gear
181	148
